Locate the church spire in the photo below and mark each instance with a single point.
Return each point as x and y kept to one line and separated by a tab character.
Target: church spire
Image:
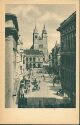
44	30
44	27
35	29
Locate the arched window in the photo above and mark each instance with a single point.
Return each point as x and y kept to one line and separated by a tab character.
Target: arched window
39	66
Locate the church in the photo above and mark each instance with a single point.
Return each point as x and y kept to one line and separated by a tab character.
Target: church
40	42
37	55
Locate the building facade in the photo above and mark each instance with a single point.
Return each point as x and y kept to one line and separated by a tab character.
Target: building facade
19	66
67	31
56	59
11	41
50	60
34	59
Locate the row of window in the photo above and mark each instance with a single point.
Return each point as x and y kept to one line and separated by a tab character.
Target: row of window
69	28
68	62
21	69
34	59
67	77
68	42
30	59
34	65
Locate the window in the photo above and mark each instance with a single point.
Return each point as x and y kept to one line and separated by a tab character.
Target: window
30	65
26	65
35	36
44	59
41	46
34	65
27	59
30	59
23	60
21	57
20	67
33	59
38	65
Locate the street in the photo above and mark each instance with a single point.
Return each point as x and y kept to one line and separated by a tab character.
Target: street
46	95
46	89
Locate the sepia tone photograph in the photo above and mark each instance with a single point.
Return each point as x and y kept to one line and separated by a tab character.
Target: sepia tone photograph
39	61
40	56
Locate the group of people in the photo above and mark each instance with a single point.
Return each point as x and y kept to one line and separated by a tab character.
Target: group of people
26	84
36	84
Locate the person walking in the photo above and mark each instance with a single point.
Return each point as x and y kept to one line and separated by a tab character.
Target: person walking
54	80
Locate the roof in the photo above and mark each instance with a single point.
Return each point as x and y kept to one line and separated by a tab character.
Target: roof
44	30
35	30
32	47
33	52
10	16
67	21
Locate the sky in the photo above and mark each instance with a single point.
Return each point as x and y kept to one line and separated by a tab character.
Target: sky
49	14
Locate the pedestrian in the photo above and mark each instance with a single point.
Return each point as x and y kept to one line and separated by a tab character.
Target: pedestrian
22	92
43	77
53	82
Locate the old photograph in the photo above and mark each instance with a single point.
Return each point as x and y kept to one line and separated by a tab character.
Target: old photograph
40	56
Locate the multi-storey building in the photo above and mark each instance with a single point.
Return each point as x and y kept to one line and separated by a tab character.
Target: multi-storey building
34	58
11	41
19	66
19	58
68	56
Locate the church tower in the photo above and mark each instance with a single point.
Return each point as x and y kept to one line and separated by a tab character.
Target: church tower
35	38
45	44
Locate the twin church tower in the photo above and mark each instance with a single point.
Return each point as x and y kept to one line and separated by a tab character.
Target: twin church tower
40	42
